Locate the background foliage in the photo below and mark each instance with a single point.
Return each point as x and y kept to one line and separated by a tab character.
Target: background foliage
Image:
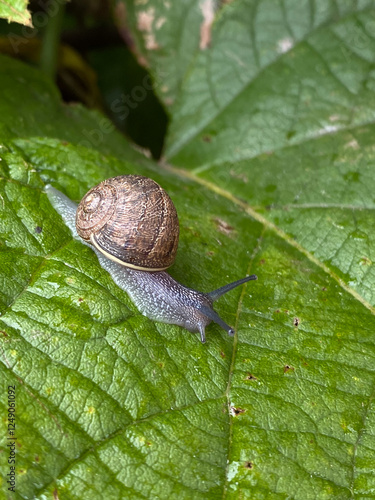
269	158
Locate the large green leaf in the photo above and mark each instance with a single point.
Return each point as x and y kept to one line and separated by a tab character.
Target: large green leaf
274	177
280	112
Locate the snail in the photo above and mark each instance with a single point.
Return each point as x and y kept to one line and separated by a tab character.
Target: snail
132	225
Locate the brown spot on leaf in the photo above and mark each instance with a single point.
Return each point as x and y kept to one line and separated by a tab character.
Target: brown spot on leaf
296	321
288	368
239	175
207	138
365	261
38	229
250	377
248	465
208	12
262	262
168	101
145	18
160	22
80	299
145	21
222	354
223	226
36	458
235	411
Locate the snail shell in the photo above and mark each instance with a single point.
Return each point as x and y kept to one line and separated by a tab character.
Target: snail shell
132	221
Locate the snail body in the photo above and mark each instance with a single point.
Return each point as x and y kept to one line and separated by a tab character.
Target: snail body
155	293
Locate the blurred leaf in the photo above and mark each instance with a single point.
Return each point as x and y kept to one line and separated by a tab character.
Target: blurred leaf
39	112
15	11
164	37
76	79
111	404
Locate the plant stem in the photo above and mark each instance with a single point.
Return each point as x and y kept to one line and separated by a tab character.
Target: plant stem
51	39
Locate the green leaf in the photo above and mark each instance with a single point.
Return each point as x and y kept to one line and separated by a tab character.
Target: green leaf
269	162
166	38
279	112
47	117
15	11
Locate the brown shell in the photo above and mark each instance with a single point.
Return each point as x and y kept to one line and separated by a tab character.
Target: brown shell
132	220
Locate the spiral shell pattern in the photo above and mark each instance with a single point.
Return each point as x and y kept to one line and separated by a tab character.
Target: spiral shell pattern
132	220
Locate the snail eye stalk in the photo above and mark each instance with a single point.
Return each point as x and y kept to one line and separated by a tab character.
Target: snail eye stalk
211	314
215	294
